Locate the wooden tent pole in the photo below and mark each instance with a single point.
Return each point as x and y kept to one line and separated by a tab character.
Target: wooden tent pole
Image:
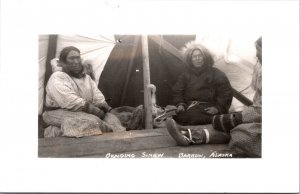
129	70
146	76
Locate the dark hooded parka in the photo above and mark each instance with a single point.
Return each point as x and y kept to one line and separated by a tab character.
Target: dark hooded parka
202	85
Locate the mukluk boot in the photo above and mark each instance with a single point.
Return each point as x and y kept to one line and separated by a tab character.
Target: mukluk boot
187	136
226	122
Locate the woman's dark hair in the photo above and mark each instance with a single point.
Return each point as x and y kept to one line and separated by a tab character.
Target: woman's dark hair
64	53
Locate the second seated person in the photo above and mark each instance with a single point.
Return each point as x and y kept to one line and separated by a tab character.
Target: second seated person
201	91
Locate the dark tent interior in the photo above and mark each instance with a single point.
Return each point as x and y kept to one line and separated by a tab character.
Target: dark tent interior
122	77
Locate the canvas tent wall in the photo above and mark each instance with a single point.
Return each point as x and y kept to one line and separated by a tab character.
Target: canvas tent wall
235	57
125	64
234	54
117	62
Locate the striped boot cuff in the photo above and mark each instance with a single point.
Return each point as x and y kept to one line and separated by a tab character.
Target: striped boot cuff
226	122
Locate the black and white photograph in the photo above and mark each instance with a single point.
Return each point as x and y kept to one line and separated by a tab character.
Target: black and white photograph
150	96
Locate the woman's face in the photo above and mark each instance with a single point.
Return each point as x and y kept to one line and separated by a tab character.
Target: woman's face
197	59
74	62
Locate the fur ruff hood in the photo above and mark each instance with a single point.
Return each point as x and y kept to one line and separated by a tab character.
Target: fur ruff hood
187	52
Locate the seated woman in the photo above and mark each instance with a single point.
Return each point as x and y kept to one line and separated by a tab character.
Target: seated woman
202	91
73	101
241	130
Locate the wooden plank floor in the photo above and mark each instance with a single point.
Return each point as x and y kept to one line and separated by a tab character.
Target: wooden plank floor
138	144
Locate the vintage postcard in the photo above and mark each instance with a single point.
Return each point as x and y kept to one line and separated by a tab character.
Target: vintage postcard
175	96
149	96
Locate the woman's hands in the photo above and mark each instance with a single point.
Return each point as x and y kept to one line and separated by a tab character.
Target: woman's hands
92	109
105	107
212	110
180	108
